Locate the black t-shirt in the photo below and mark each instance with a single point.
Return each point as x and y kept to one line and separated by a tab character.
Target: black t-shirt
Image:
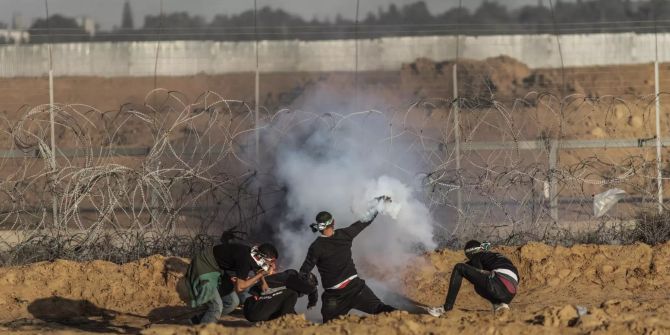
289	279
235	261
490	261
332	255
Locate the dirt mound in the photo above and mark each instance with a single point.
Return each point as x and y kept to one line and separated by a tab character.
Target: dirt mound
64	289
505	78
589	271
581	289
500	76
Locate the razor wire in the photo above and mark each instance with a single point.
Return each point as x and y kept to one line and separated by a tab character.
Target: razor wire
197	173
99	194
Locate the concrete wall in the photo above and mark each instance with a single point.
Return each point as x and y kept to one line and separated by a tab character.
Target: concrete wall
192	57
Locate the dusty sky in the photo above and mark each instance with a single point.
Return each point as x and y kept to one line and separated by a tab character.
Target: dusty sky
108	12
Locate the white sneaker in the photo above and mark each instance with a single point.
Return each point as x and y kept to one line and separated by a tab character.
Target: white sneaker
435	311
499	307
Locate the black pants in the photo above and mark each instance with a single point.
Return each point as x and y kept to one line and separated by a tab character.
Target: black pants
269	307
356	295
487	285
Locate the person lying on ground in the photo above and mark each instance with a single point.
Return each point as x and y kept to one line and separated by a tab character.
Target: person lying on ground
277	294
210	281
331	254
494	276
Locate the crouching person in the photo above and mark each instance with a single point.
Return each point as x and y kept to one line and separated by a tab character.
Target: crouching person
210	284
277	294
493	275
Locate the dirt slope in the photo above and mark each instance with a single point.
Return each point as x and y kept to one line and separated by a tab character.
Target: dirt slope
622	288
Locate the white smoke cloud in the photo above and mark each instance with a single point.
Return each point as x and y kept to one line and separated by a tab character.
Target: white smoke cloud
339	165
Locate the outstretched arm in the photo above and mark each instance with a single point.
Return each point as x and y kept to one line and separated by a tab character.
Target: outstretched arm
356	228
377	205
243	284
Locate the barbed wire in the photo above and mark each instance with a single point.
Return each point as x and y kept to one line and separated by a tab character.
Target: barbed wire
197	175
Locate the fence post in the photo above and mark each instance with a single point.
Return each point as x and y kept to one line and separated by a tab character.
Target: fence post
256	90
553	192
154	196
659	161
158	44
457	122
457	141
54	197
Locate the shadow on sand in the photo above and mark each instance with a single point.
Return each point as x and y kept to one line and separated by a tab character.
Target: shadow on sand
180	315
79	314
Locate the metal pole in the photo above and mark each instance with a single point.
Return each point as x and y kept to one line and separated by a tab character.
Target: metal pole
553	192
154	197
560	49
51	114
659	162
155	165
358	4
158	44
54	198
457	124
257	118
457	140
256	89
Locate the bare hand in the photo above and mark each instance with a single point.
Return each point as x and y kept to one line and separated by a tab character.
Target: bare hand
264	285
272	269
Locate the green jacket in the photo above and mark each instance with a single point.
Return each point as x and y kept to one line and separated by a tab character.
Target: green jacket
203	277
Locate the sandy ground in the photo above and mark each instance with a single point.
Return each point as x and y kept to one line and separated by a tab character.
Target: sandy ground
623	289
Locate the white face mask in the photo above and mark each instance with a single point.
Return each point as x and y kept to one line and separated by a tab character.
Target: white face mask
261	260
485	246
320	226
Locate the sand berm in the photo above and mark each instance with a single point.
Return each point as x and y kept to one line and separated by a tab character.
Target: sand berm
622	289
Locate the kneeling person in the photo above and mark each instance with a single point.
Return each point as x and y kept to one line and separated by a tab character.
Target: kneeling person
494	276
277	294
220	295
331	254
